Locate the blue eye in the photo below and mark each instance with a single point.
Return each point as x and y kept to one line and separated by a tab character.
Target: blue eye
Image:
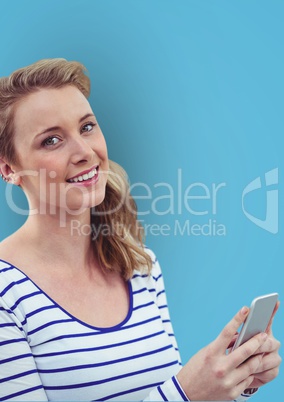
50	141
88	127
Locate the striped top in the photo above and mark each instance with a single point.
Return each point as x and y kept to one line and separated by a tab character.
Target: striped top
48	354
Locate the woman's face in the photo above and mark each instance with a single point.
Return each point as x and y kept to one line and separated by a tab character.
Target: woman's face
61	151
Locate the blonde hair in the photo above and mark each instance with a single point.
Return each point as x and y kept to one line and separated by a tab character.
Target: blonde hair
120	248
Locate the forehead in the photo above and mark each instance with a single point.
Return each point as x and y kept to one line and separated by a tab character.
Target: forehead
39	110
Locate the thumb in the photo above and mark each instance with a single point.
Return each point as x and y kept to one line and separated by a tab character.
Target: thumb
226	335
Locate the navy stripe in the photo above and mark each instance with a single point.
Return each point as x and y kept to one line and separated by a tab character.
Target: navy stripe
115	378
99	333
99	347
163	306
18	357
13	341
161	292
106	363
10	324
161	393
25	391
39	310
182	394
24	298
140	276
12	284
129	391
6	269
6	310
143	305
156	278
139	291
48	324
13	377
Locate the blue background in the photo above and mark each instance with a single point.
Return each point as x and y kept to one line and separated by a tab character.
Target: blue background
190	85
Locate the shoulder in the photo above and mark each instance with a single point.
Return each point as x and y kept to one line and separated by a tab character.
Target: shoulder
18	295
151	253
151	284
156	268
8	272
150	280
5	267
10	248
13	280
15	250
9	276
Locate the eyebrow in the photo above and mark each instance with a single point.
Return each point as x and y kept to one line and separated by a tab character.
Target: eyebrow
54	128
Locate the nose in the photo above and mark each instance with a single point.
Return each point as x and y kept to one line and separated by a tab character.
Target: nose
80	150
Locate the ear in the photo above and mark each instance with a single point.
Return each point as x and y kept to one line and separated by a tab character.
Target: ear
8	174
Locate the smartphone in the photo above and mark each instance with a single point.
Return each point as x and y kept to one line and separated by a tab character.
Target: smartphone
257	321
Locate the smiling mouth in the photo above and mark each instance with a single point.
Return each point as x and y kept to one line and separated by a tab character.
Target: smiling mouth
85	177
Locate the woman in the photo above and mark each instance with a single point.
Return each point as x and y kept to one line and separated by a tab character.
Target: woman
82	302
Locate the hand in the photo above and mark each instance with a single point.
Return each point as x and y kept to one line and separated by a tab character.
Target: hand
213	375
269	366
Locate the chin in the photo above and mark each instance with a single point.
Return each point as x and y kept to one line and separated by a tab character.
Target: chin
92	199
98	199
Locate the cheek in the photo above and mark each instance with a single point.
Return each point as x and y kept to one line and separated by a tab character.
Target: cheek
100	147
47	163
43	177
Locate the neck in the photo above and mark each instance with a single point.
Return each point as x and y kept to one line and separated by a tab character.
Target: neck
60	244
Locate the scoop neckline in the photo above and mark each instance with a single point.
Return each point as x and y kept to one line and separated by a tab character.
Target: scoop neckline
74	318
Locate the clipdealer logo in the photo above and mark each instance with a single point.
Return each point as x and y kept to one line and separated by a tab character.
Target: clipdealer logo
198	201
270	223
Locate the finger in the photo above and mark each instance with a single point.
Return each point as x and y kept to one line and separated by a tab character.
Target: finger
269	362
248	368
226	335
267	376
269	327
245	384
271	345
246	350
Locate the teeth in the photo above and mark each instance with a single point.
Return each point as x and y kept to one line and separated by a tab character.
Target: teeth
92	173
85	176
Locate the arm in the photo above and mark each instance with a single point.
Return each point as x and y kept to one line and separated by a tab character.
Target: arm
161	302
19	379
171	389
